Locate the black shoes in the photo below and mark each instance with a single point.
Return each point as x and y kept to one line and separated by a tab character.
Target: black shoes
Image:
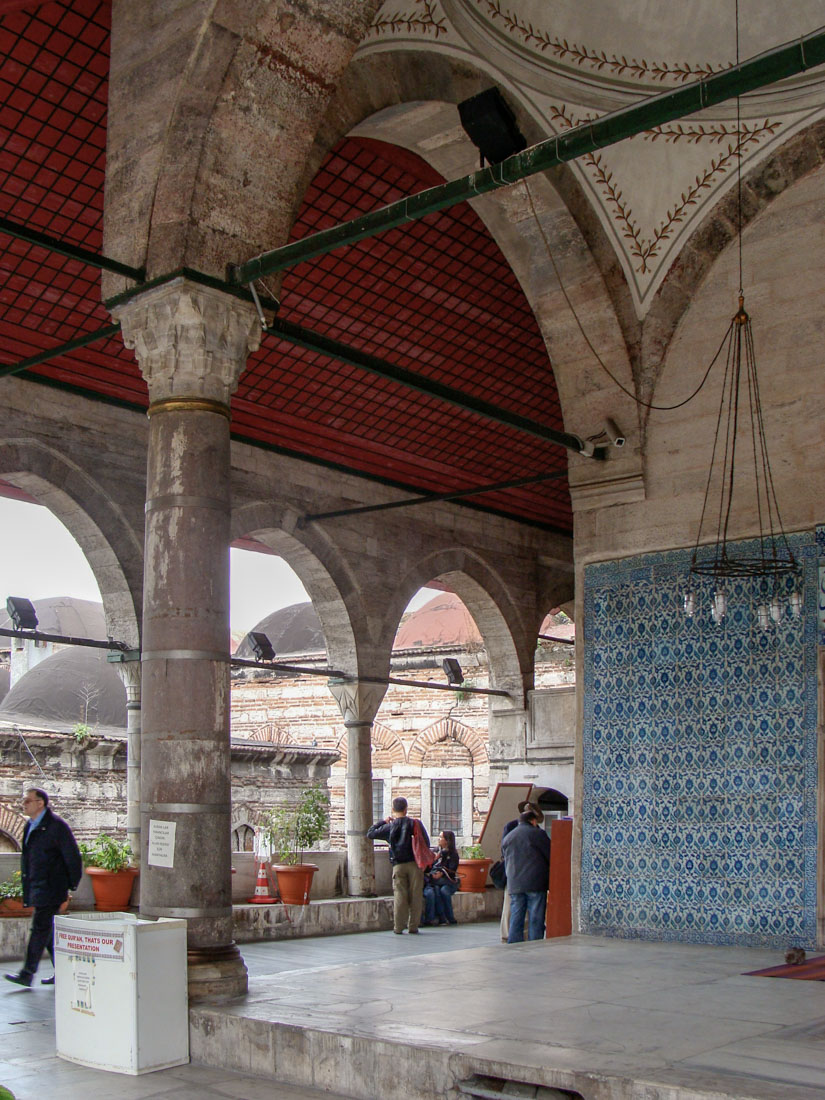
22	978
47	981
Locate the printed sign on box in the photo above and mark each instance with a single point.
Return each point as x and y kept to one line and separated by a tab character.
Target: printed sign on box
97	945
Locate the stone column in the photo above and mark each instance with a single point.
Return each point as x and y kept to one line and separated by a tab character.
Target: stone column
191	343
358	703
128	668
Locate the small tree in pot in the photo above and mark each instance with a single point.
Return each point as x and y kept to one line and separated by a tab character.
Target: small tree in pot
108	864
290	832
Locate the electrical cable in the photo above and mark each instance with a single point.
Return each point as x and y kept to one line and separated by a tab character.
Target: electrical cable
586	338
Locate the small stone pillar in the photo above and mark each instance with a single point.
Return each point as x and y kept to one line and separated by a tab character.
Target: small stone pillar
358	703
191	343
128	668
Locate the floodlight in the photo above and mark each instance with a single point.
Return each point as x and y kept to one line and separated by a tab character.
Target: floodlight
452	670
261	646
22	613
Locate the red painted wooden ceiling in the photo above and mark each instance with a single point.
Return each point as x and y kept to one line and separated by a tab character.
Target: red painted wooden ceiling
436	297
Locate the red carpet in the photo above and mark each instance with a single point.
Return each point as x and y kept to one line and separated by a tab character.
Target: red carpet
812	970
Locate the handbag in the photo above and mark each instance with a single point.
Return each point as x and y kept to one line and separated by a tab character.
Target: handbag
421	850
498	875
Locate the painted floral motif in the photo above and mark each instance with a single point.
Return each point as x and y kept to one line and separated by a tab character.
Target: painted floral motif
699	761
422	19
596	60
644	249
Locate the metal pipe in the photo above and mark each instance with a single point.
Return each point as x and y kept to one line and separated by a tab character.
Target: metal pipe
313	341
72	251
551	638
335	674
63	639
61	349
430	498
783	61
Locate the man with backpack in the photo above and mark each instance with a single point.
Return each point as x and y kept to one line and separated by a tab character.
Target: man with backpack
400	831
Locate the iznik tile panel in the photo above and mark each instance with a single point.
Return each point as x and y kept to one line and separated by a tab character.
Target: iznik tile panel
700	770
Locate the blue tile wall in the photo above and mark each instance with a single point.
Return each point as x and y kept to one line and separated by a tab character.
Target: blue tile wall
700	769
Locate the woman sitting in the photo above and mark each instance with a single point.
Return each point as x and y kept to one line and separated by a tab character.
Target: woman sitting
441	882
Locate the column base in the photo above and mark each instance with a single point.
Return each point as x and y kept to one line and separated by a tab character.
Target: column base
216	974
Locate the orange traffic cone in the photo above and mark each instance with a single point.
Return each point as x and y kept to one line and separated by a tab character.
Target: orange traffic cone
262	895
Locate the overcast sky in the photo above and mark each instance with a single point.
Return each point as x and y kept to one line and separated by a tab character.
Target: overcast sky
39	558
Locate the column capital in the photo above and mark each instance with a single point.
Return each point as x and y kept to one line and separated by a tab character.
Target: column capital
190	340
357	701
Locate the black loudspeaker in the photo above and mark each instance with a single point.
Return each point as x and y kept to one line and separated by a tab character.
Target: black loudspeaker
491	126
22	613
261	646
452	670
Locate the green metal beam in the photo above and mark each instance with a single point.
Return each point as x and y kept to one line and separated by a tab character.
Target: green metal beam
432	498
74	252
61	349
313	341
757	72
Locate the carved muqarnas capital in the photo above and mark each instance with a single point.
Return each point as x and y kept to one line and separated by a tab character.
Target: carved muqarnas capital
357	701
190	340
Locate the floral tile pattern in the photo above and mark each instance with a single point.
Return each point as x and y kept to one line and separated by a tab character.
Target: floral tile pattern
700	772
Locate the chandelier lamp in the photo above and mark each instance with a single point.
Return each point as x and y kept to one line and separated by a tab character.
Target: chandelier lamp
740	454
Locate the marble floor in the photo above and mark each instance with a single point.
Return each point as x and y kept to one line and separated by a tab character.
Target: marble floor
600	1017
383	1016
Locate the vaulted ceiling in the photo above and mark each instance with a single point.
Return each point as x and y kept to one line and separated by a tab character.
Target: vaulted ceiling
436	298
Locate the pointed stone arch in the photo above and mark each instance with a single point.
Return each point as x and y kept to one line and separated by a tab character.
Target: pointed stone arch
94	518
227	116
12	823
322	570
387	747
448	729
270	732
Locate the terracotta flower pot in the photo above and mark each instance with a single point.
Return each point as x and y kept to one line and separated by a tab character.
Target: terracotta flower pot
294	881
14	907
112	889
472	875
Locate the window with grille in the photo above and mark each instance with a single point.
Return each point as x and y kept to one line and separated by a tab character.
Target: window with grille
445	805
377	799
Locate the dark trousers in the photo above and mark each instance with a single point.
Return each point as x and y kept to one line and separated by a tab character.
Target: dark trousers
40	936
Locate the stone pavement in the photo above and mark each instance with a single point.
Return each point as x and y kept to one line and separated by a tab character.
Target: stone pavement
384	1017
29	1066
603	1018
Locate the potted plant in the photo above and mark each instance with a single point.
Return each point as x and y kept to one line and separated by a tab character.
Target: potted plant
108	864
11	897
472	869
290	832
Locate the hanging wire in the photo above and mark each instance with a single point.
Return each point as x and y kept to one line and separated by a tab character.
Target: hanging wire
586	338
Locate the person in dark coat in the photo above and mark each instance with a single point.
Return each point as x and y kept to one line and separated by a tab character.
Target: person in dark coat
407	876
51	867
526	852
523	807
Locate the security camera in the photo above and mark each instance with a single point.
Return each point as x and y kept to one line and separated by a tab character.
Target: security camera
613	433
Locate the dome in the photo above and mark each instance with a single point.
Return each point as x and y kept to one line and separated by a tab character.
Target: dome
66	615
74	685
293	629
443	620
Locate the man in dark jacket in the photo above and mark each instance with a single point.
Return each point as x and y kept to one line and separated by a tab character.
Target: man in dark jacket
526	852
407	876
51	866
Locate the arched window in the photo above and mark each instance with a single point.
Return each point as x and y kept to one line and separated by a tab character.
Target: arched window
243	839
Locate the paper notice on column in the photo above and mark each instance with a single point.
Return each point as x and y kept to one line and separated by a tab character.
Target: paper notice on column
162	843
83	980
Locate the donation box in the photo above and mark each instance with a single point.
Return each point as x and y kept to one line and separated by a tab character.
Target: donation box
120	992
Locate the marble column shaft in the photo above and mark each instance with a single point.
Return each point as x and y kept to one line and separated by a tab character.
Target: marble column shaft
191	343
358	703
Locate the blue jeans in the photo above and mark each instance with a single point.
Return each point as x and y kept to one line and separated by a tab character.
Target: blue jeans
438	902
535	902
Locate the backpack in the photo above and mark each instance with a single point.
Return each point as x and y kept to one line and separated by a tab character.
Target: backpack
423	856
